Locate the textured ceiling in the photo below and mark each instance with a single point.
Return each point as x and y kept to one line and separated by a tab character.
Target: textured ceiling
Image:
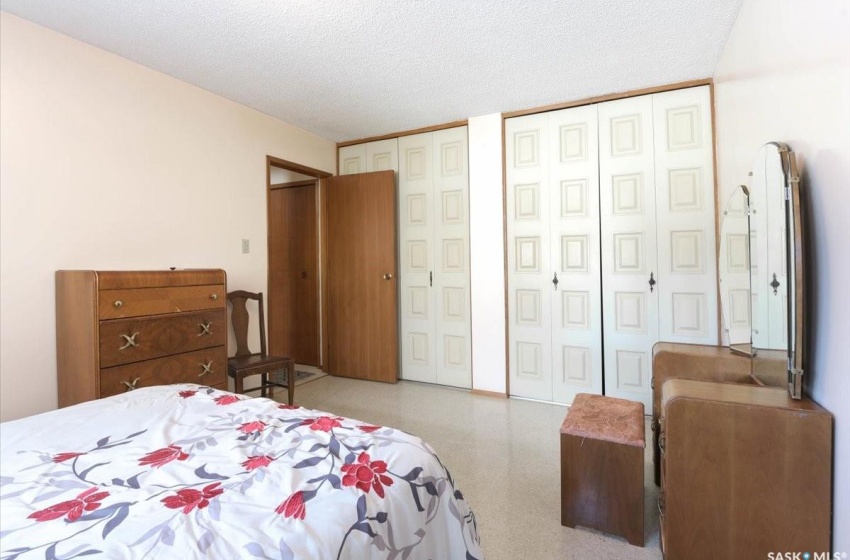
347	69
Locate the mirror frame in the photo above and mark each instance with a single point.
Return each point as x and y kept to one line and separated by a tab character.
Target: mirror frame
795	254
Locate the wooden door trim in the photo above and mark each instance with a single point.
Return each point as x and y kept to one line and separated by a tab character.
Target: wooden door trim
293	184
609	97
323	265
272	161
390	136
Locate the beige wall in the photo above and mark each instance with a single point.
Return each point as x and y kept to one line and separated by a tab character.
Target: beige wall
106	164
785	76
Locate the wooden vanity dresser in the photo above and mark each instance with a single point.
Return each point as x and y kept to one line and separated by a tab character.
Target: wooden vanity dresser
118	331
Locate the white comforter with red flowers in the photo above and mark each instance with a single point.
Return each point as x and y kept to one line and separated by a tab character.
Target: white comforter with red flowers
184	471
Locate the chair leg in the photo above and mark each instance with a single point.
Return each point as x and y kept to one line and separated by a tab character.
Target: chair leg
237	382
270	384
291	377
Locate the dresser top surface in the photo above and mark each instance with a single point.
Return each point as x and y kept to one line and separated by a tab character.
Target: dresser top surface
128	279
734	393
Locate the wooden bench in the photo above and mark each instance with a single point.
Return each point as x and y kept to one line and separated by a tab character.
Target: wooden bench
602	462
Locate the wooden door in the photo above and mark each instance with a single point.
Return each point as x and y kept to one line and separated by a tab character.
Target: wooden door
293	313
360	304
630	274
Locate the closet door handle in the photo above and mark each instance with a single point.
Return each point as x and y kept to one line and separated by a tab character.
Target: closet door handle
388	276
774	284
431	278
555	280
652	282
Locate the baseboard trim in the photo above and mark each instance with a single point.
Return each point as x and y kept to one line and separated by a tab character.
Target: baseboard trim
493	394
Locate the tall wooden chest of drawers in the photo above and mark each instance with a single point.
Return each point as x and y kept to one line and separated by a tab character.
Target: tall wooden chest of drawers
118	331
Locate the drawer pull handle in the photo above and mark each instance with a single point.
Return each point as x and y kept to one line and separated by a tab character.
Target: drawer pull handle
205	328
130	341
213	296
207	367
131	385
118	303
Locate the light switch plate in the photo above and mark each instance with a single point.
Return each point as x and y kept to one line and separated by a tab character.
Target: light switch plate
246	246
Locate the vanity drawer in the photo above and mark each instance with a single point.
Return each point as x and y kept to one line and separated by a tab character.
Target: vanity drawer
118	304
123	341
180	368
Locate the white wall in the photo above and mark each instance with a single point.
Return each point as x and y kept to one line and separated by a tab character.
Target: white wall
487	252
785	76
107	164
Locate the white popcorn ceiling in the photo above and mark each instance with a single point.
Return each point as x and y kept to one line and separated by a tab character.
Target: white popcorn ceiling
347	69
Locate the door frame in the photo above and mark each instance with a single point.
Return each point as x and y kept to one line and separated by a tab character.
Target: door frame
318	174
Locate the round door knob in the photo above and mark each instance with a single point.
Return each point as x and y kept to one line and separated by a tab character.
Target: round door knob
388	276
303	275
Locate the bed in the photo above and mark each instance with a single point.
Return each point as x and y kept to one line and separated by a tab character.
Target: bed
187	471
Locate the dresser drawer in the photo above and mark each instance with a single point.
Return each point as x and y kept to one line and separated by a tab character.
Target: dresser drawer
118	304
123	341
180	368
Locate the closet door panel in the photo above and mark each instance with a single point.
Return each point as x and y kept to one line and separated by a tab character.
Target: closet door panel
629	257
352	159
382	155
684	175
576	302
530	276
450	209
417	259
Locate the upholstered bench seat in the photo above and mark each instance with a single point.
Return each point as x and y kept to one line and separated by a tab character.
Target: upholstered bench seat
602	447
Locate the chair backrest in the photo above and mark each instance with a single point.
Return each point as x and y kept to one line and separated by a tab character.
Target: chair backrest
239	319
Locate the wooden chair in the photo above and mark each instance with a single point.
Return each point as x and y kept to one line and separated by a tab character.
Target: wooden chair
246	363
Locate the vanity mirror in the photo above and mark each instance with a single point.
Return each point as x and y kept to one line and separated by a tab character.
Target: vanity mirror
761	270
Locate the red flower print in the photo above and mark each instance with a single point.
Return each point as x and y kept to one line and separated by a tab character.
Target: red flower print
365	474
227	399
257	461
293	506
86	501
163	456
187	394
62	457
322	423
368	429
288	406
190	498
251	427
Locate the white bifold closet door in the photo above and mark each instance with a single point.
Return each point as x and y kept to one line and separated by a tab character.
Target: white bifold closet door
554	300
658	232
372	156
434	241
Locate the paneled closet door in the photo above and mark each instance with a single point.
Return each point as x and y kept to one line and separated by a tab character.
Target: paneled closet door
684	189
451	257
417	221
381	156
530	273
576	305
630	273
352	159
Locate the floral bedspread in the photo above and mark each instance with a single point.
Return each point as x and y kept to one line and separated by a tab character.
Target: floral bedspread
186	471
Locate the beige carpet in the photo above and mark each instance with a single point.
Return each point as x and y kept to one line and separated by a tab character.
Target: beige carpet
504	456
